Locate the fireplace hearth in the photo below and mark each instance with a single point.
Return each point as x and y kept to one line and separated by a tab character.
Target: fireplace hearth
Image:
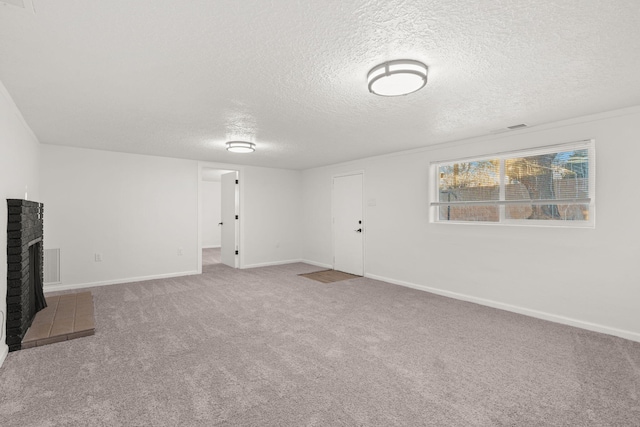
25	294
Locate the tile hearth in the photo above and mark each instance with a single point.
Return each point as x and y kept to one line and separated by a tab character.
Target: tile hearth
66	317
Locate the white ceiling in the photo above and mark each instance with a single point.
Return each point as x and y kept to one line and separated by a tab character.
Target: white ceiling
179	78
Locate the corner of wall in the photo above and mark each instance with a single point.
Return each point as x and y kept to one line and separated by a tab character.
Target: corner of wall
4	351
19	164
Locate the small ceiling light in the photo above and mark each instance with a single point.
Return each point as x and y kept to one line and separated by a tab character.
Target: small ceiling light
241	147
395	78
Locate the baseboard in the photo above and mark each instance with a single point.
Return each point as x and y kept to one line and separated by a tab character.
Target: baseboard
290	261
4	351
633	336
63	287
317	264
268	264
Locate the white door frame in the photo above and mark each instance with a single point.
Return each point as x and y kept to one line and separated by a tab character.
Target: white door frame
229	235
241	240
364	220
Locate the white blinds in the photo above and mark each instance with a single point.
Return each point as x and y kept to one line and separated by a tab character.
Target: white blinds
543	185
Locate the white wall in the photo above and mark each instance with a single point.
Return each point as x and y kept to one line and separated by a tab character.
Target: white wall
19	162
584	277
136	211
211	216
272	209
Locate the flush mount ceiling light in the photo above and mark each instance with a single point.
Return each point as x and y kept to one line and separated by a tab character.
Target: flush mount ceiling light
241	147
395	78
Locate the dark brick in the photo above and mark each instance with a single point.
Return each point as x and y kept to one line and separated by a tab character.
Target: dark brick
14	275
16	282
14	291
14	267
14	258
12	332
15	300
24	226
14	250
13	243
15	218
14	318
13	226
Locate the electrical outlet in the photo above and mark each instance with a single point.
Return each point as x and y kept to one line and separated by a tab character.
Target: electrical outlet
97	257
179	251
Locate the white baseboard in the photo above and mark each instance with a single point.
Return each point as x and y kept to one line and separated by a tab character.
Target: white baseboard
268	264
290	261
63	287
317	264
4	351
633	336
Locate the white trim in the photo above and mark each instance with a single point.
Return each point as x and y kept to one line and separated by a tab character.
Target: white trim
240	238
474	140
542	149
317	264
435	193
210	247
633	336
271	263
514	202
4	351
118	281
291	261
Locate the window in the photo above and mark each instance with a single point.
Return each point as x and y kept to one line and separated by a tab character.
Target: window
545	186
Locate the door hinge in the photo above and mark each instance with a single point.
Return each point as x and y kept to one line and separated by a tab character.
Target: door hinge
236	252
236	216
236	181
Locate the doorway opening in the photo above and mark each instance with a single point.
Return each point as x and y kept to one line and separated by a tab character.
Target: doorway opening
219	218
210	256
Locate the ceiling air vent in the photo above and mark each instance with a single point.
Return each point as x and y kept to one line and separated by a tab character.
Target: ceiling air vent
514	127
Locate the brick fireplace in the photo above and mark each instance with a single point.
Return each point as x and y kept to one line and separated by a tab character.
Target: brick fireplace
25	295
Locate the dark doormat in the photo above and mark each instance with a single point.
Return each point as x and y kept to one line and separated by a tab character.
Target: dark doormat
329	276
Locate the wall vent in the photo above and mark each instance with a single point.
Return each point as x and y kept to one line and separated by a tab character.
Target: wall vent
51	266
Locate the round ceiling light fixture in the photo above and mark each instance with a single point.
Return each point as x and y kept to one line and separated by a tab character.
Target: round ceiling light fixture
399	77
241	147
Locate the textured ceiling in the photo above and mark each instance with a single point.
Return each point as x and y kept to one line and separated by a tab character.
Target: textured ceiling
179	78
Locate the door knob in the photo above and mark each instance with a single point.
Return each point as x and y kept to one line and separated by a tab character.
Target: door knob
219	223
359	230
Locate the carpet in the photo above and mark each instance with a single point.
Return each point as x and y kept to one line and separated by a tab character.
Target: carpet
267	347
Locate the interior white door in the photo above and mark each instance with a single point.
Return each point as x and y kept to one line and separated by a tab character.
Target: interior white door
348	228
228	209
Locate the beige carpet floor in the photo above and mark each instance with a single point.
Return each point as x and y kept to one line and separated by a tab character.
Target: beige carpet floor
266	347
210	256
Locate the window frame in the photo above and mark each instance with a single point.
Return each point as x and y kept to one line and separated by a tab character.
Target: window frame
435	204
